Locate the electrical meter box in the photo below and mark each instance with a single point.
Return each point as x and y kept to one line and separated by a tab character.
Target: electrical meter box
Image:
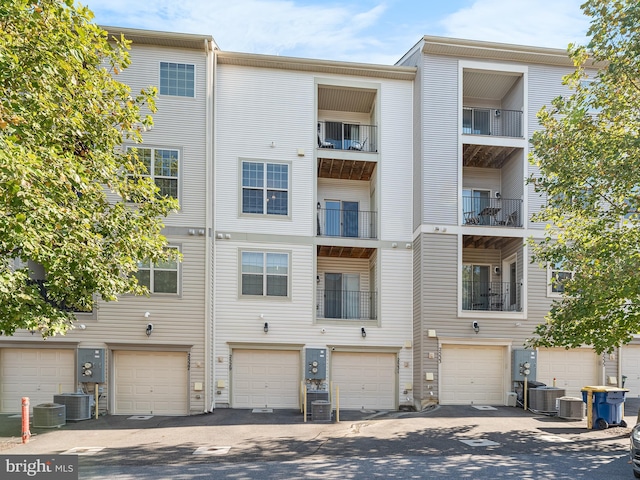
524	364
91	365
316	363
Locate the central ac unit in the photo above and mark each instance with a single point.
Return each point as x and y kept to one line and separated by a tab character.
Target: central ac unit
78	405
570	408
543	399
49	415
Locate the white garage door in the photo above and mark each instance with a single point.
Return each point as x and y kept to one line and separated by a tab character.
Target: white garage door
630	363
266	378
35	373
572	369
366	380
151	383
473	375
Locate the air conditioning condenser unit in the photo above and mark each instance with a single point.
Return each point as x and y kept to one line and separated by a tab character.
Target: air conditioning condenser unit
49	415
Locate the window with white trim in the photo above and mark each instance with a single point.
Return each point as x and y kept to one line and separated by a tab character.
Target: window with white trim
557	276
159	277
265	274
265	188
162	165
177	79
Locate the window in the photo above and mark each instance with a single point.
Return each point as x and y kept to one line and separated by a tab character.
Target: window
556	279
265	188
265	274
177	79
161	165
158	278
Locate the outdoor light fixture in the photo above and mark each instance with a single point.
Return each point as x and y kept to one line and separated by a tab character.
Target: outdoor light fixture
363	332
266	327
476	326
149	329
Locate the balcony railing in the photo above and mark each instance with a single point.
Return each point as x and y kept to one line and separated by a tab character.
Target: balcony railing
346	304
347	136
500	212
492	121
491	296
346	222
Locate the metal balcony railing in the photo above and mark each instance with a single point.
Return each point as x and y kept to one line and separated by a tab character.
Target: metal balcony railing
346	304
491	296
347	136
492	121
497	212
346	223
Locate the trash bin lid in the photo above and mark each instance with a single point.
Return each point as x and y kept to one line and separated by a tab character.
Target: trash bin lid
603	388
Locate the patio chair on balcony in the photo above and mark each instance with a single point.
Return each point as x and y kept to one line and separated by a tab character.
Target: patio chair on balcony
470	218
510	221
324	143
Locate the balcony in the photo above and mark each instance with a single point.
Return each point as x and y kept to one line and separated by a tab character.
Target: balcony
492	122
346	223
346	305
495	212
491	296
347	136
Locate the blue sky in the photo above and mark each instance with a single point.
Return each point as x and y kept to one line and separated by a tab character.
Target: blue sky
370	31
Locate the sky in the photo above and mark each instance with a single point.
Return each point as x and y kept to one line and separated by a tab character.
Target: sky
367	31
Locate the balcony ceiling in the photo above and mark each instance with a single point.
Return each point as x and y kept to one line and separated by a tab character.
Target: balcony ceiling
486	156
488	85
336	251
346	99
345	169
485	242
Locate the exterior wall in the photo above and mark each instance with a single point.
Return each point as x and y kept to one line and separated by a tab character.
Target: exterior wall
439	133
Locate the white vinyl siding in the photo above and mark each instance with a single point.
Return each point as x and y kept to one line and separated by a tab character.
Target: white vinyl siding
35	373
150	383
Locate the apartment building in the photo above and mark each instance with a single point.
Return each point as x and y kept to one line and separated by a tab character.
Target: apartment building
313	237
148	354
477	296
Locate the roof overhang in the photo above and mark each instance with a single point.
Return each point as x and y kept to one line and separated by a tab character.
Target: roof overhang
165	39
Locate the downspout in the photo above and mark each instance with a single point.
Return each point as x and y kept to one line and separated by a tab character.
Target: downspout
208	212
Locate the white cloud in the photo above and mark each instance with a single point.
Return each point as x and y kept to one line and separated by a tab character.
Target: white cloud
544	23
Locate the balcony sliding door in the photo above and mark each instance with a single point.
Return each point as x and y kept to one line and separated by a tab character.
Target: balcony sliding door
342	295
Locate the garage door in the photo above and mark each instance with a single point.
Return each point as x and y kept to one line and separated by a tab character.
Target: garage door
572	369
473	375
266	378
366	380
151	383
630	363
35	373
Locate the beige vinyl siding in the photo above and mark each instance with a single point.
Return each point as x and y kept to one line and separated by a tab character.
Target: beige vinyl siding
345	265
513	181
538	302
344	117
545	83
482	178
395	197
440	140
344	190
513	100
255	108
178	123
177	320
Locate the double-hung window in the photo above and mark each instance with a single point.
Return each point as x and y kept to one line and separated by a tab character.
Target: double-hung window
161	277
177	79
162	165
265	274
557	278
265	188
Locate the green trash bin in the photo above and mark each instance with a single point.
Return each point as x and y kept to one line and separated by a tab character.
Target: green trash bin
608	406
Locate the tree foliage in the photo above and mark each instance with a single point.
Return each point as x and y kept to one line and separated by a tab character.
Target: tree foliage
63	173
588	154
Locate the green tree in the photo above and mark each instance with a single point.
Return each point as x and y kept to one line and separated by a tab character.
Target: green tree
588	154
63	171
